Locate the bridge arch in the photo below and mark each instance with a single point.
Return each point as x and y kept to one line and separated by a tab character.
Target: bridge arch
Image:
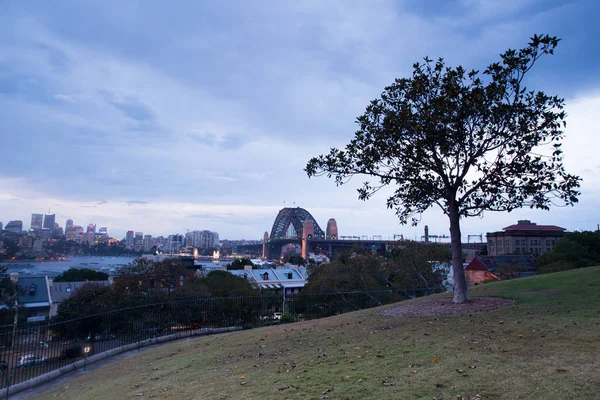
295	217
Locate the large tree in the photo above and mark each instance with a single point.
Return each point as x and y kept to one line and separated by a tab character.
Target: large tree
467	142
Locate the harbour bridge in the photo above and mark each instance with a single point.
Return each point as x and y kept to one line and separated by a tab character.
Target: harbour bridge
295	225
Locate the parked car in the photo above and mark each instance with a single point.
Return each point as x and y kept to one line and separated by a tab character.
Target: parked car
71	352
99	337
30	359
277	316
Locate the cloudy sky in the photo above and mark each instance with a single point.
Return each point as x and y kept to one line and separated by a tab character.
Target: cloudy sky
165	116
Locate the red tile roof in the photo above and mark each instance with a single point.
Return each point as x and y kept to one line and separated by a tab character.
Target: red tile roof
533	227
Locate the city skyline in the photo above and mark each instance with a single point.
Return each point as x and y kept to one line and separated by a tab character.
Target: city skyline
190	116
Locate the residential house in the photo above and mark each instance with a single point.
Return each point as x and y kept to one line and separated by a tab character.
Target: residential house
60	291
33	295
483	269
287	280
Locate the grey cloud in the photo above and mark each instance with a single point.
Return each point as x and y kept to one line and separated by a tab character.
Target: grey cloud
228	141
137	202
130	107
211	216
56	58
102	202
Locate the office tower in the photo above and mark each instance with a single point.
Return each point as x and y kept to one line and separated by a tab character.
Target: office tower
69	224
174	243
14	227
138	240
37	221
103	231
202	239
148	242
129	240
49	221
91	228
332	230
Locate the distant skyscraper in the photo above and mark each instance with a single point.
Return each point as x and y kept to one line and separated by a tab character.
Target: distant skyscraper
49	221
201	239
129	240
14	226
69	224
103	231
138	240
332	230
37	221
91	228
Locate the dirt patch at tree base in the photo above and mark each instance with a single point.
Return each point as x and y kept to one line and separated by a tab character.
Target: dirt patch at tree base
432	308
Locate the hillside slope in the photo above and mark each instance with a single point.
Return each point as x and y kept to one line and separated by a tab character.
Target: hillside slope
546	345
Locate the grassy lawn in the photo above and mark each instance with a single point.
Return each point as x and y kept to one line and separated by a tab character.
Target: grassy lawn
545	346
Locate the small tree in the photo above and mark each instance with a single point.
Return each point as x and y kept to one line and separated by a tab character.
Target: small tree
467	142
240	263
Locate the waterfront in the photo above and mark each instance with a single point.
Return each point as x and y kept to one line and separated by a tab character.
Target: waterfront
109	265
53	268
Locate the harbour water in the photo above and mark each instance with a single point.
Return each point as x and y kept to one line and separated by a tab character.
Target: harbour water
109	265
53	268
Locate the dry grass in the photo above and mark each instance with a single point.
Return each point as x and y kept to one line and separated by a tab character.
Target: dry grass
544	346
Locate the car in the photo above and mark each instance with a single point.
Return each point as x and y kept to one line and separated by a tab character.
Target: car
30	359
71	352
277	316
99	337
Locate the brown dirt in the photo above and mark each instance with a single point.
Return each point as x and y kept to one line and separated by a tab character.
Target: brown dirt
435	307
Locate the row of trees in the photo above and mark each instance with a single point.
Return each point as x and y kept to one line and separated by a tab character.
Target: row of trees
414	265
144	282
574	250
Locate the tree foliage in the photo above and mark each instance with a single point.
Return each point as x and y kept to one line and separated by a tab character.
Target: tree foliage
80	275
223	284
143	276
574	250
413	265
240	263
294	259
467	142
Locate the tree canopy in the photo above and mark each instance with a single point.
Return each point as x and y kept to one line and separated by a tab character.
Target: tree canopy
80	275
574	250
240	263
410	266
294	259
467	142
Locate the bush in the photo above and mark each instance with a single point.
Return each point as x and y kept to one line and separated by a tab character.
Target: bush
556	267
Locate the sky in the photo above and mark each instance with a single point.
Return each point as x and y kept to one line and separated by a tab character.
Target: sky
164	117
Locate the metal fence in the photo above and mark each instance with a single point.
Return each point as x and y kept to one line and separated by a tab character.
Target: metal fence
41	347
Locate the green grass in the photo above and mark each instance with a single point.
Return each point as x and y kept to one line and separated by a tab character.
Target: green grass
545	346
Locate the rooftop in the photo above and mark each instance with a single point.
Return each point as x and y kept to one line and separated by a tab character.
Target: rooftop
527	225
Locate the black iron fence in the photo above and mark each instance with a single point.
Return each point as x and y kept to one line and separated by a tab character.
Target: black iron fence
41	347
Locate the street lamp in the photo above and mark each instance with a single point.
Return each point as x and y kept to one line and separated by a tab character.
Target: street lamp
86	351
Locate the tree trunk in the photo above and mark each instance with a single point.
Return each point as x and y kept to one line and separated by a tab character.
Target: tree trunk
460	283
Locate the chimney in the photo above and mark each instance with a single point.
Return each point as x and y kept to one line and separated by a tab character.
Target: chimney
248	268
426	234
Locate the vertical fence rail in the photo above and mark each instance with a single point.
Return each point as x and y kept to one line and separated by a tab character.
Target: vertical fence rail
38	348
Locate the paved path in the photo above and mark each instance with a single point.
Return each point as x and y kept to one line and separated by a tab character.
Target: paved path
64	379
